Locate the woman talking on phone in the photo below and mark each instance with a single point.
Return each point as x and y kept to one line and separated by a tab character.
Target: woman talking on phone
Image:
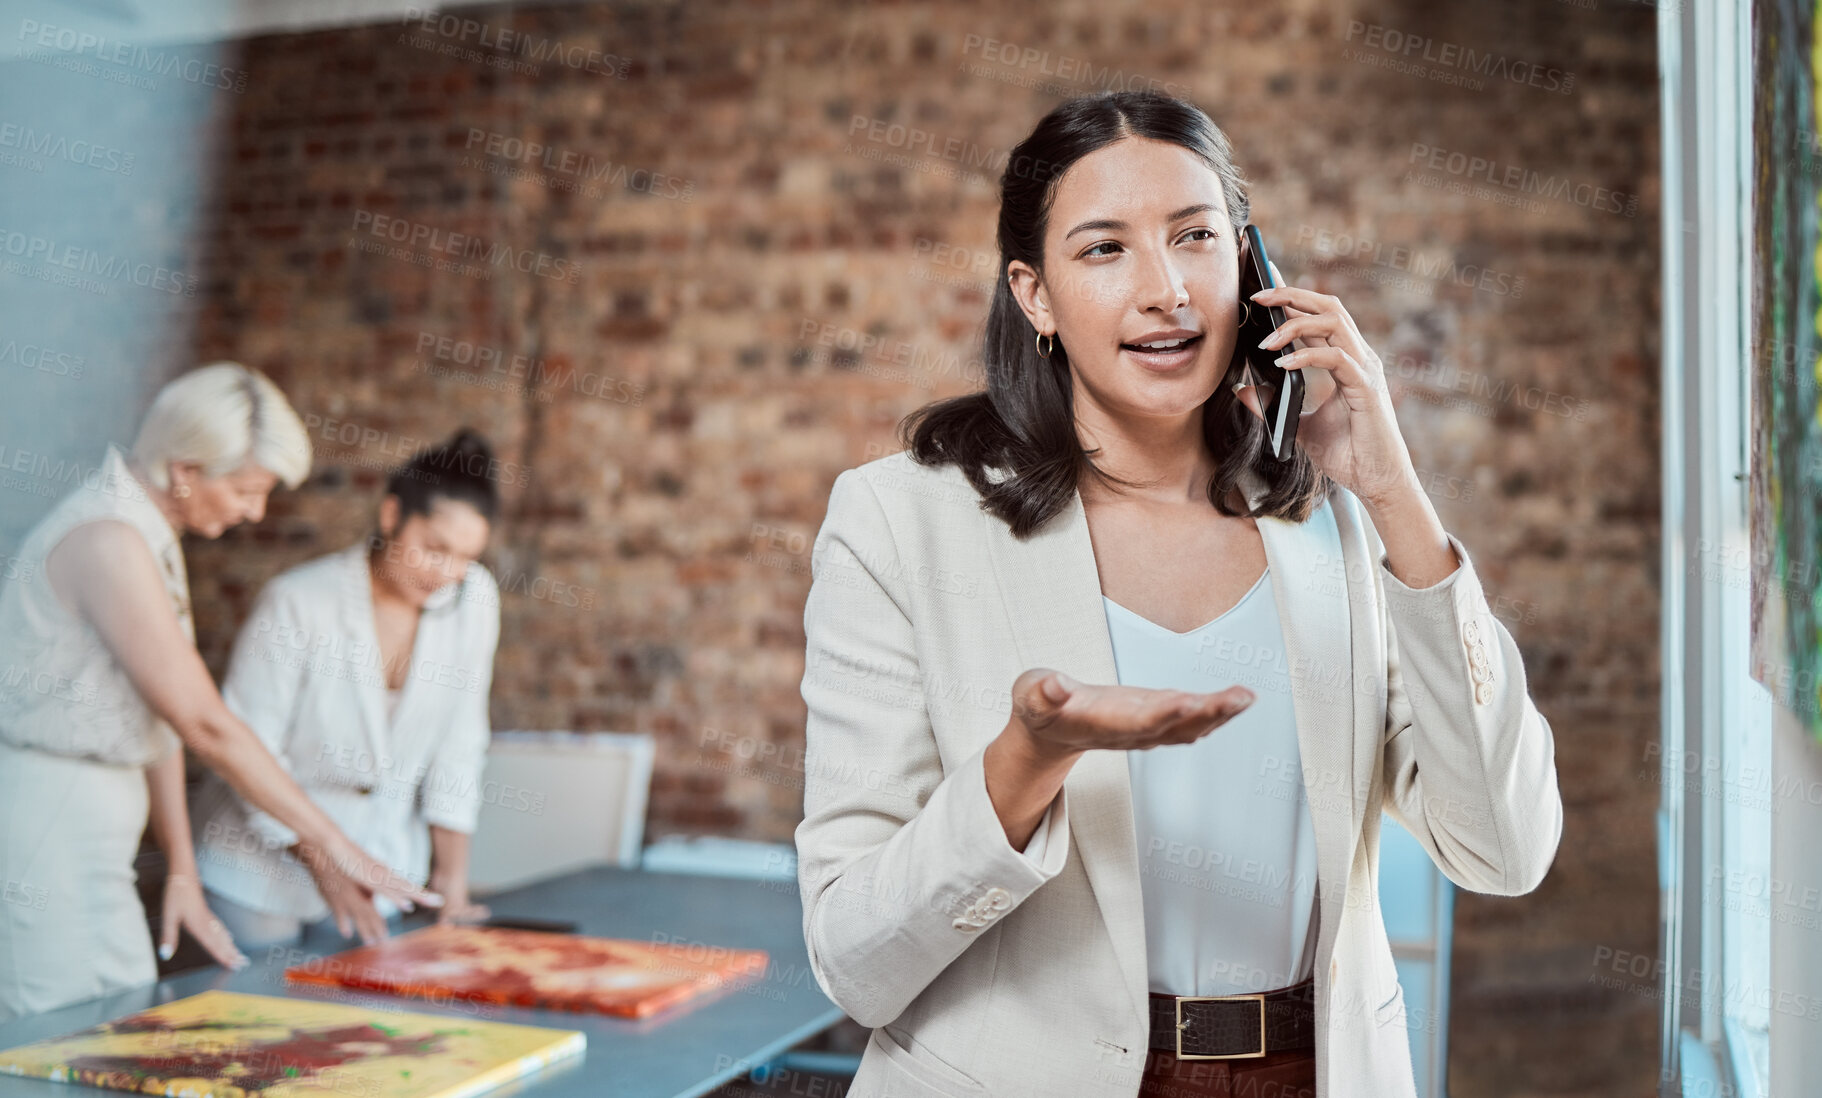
1105	701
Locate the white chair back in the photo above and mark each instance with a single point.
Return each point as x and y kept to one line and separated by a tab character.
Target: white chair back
553	802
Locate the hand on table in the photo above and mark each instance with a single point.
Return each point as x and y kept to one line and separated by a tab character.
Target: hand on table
341	879
457	907
185	908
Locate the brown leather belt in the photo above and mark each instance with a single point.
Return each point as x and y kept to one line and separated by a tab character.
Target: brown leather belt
1234	1027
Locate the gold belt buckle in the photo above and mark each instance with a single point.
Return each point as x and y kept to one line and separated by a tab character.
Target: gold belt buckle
1259	996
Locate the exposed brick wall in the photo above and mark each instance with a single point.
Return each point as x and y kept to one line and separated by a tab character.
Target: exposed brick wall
698	387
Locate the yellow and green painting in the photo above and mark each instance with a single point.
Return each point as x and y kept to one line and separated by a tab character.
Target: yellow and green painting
223	1044
1786	428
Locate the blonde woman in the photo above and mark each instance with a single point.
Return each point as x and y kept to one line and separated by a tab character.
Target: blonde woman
101	688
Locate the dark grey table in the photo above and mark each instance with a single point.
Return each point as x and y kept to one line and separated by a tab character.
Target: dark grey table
686	1051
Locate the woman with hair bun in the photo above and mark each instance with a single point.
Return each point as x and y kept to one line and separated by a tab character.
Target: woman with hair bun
101	688
367	672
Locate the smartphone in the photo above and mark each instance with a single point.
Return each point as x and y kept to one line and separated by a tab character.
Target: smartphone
1283	403
547	926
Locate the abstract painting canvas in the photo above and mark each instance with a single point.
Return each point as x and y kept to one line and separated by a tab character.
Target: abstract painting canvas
223	1044
1786	440
536	969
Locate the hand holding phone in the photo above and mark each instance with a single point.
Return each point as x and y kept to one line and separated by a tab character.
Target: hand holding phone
1286	385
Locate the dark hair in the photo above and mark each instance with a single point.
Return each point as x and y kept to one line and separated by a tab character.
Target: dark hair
460	469
1024	421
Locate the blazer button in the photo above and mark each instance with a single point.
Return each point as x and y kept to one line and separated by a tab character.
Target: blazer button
997	899
1470	632
1483	692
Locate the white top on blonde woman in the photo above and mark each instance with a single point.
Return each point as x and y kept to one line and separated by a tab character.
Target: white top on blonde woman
61	689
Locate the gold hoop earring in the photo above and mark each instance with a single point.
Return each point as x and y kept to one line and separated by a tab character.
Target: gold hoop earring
1044	351
1247	316
182	491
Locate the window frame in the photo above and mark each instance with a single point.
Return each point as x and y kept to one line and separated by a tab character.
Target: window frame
1712	711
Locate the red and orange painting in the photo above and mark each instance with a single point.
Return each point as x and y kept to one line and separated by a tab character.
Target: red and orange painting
535	969
223	1044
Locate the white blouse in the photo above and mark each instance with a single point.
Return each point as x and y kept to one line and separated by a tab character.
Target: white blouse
1227	849
61	689
307	677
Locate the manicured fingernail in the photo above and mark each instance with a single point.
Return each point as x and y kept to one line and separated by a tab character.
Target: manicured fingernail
165	951
1257	294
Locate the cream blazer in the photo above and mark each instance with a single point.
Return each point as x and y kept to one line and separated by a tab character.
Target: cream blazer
982	973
